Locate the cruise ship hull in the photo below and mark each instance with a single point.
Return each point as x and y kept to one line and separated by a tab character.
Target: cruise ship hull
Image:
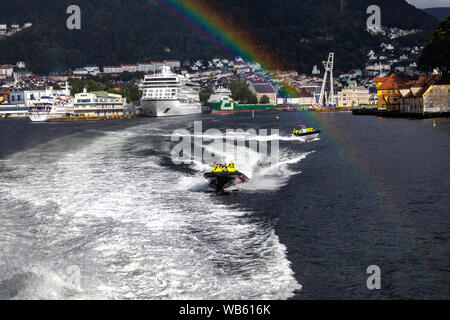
168	108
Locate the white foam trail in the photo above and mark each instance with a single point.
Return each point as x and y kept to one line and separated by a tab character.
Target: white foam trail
134	231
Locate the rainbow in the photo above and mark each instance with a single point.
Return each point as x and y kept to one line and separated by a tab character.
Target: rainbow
203	17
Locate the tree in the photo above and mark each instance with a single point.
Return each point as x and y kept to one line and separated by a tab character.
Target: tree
91	85
288	92
132	93
241	93
205	94
436	53
264	100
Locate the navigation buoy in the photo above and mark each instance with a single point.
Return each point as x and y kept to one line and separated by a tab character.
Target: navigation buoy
278	118
434	123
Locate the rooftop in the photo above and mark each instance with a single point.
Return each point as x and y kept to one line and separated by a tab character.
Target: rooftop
263	88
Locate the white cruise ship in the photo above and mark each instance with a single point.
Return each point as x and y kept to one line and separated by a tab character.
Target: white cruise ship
169	94
48	107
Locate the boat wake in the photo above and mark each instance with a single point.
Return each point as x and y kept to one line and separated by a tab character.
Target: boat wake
113	208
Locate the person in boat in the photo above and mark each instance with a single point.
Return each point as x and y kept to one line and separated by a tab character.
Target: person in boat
230	167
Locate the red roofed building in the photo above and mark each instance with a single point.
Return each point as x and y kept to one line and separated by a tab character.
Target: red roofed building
426	95
6	70
388	92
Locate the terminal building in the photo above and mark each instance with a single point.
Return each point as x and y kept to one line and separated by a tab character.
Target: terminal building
98	103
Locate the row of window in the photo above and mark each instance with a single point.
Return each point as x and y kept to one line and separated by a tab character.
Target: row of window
97	107
160	93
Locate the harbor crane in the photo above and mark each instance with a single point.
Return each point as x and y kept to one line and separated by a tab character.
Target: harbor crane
328	100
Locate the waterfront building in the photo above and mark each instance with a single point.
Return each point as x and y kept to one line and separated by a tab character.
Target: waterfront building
264	89
353	96
98	103
302	98
438	98
9	110
17	97
4	95
31	95
388	92
427	95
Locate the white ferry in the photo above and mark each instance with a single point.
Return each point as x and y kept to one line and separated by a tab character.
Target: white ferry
48	107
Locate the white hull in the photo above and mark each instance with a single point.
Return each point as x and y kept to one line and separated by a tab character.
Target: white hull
309	137
39	117
168	108
44	116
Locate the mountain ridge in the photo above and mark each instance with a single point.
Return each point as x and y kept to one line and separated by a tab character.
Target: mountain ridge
137	30
439	12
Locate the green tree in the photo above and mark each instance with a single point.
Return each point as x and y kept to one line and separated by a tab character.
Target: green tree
205	94
91	85
241	93
264	100
436	53
131	92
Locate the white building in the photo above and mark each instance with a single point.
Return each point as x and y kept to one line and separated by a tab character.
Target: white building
92	69
146	67
34	94
158	65
20	65
17	97
99	103
378	67
353	96
6	70
80	72
129	68
112	69
172	63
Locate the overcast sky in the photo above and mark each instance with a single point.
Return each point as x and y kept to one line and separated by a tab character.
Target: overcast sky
429	3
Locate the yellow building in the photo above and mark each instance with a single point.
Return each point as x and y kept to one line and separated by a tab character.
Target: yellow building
388	92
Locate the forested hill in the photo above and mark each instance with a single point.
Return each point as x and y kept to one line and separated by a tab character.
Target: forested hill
439	13
298	33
